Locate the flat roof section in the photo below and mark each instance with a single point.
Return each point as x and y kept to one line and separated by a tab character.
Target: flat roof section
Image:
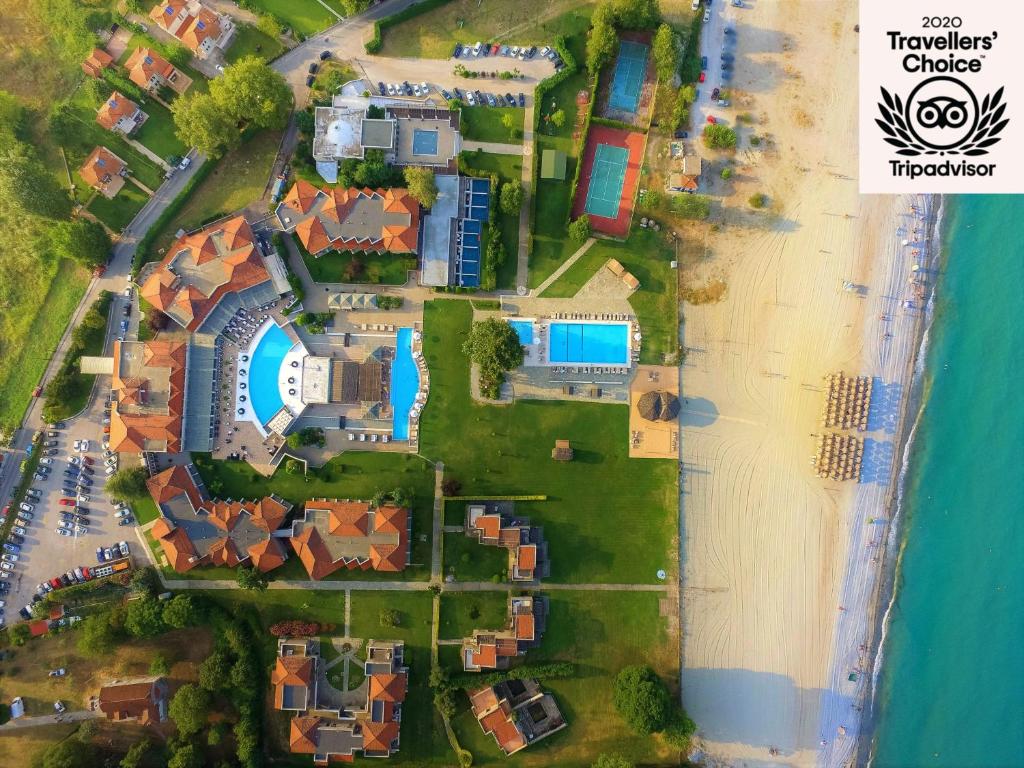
410	152
378	133
437	232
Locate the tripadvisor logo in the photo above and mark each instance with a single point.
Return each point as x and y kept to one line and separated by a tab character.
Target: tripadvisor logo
941	116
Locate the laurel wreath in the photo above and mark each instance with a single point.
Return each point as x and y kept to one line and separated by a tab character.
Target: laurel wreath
894	125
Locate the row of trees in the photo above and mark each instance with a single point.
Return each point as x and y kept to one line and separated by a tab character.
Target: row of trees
610	16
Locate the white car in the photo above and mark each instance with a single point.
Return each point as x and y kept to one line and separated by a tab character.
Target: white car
123	545
63	532
66	525
391	89
74	461
110	470
83	446
476	49
185	163
110	461
415	90
26	507
81	530
470	99
707	15
46	460
122	513
9	557
544	51
515	50
425	89
82	498
5	566
19	530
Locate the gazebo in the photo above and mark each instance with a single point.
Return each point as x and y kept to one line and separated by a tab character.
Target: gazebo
658	406
562	451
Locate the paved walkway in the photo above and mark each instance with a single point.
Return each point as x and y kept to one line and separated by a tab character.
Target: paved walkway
438	522
142	148
523	260
493	147
565	266
68	717
415	586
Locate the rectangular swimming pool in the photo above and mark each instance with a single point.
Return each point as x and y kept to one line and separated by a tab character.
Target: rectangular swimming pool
525	330
599	343
424	142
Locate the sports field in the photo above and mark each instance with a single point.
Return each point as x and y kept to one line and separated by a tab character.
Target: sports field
608	179
628	79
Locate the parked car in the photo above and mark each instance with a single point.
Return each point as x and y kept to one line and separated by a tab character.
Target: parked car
544	51
100	556
122	513
60	672
59	706
108	554
23	515
703	62
701	77
714	94
515	50
457	51
381	89
82	498
34	493
66	524
50	444
470	99
510	99
88	460
12	548
491	100
65	502
495	49
6	566
310	80
19	530
26	507
707	15
46	461
313	68
9	557
86	470
504	50
126	520
67	517
522	100
81	530
458	93
123	546
325	55
16	538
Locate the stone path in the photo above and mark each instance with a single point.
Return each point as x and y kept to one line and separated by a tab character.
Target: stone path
143	149
523	261
565	266
348	611
493	147
435	542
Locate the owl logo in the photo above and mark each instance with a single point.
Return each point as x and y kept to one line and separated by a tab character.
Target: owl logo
941	116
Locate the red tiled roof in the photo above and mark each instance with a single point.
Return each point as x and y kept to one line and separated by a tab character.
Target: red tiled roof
313	235
390	519
165	12
171	483
131	432
348	518
486	656
96	62
144	63
131	700
312	551
161	527
389	688
224	552
527	557
181	554
268	513
301	196
100	166
377	737
488	525
205	25
267	554
302	738
523	625
505	731
388	557
291	671
114	109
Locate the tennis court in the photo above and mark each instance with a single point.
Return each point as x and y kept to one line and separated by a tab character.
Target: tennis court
605	189
628	78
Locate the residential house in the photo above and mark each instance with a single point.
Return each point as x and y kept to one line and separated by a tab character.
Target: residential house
203	31
686	178
96	62
295	674
334	534
120	114
517	713
494	649
149	70
104	171
527	548
141	699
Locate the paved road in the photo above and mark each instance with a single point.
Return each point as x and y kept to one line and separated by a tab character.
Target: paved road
711	45
68	717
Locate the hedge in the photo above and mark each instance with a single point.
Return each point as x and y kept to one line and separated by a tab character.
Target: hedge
582	144
375	43
540	497
618	124
555	670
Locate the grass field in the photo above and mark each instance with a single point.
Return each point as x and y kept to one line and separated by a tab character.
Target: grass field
249	41
485	124
609	518
433	35
648	257
238	180
306	17
157	133
378	268
468	560
462	612
117	213
600	632
509	169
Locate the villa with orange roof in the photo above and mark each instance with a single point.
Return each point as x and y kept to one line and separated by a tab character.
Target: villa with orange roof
527	549
322	728
104	171
517	713
148	383
96	62
149	70
203	267
195	530
335	534
495	649
381	220
120	114
203	31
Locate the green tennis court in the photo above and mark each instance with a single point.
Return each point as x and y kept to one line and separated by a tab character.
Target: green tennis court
606	180
628	79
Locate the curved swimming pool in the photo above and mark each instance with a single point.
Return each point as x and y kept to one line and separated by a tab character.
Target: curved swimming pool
405	383
264	366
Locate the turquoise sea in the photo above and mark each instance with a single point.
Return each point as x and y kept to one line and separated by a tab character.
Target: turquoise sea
951	688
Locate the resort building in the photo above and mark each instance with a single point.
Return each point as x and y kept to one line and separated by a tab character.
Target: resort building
686	176
120	114
495	649
452	232
149	70
334	534
96	62
142	700
418	136
148	385
206	266
195	530
323	729
527	549
382	220
104	171
200	29
517	713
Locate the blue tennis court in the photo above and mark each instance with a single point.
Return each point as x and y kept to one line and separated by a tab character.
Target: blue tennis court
628	78
424	142
606	343
607	176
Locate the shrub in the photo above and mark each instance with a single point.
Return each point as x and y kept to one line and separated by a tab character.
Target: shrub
295	628
642	699
579	230
719	137
758	200
389	617
726	174
691	206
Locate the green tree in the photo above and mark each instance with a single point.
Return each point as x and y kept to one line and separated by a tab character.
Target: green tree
250	92
726	173
372	171
444	700
602	40
421	185
214	671
636	14
558	118
611	761
268	25
69	753
62	387
719	137
144	580
579	230
389	617
136	754
62	122
159	665
82	240
96	636
494	346
293	467
511	198
758	200
185	756
19	633
200	122
181	611
87	731
665	53
26	183
642	699
509	122
12	118
252	578
128	483
189	709
145	617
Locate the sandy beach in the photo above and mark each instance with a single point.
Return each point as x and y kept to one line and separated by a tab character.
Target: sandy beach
780	568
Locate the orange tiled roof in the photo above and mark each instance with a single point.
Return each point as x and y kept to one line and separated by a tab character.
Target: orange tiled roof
268	513
130	432
391	519
302	738
172	483
313	235
377	737
205	25
301	196
165	12
523	625
161	527
489	526
116	107
223	514
389	688
505	732
313	553
527	558
387	557
100	166
144	63
349	518
293	671
267	554
224	552
486	655
181	554
96	62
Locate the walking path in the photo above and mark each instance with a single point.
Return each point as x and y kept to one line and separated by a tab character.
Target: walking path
493	147
148	153
565	266
414	586
435	543
523	262
348	612
140	185
67	717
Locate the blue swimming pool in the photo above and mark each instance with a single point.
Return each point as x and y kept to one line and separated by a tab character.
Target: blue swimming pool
424	142
525	330
263	372
405	383
599	343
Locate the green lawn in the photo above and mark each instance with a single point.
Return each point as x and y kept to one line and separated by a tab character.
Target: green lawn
600	632
352	475
509	169
485	124
249	41
307	17
378	268
157	133
608	518
118	212
647	255
144	509
469	560
462	612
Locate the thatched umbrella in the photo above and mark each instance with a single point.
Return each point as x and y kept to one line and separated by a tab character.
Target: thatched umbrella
658	406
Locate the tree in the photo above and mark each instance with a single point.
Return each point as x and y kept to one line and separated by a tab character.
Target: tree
558	118
26	182
214	671
250	92
69	753
611	761
636	14
602	40
128	483
389	617
726	173
758	200
268	25
293	467
494	346
444	700
509	122
82	240
62	122
200	122
665	52
373	171
185	756
144	581
62	387
145	617
579	230
12	118
181	611
642	699
421	185
136	754
189	709
511	198
87	731
719	137
252	578
159	665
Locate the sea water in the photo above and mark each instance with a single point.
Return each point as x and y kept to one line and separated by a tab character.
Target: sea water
951	689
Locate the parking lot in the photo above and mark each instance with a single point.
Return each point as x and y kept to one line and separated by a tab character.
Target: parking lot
44	553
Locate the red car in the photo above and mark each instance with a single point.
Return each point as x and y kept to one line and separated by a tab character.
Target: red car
37	391
711	119
88	461
56	583
700	79
67	502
